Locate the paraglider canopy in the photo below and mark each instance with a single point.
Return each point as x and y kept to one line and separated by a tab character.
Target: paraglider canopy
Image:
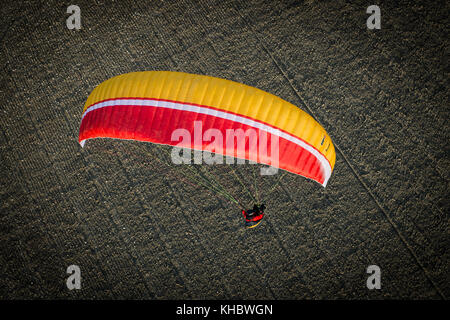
166	107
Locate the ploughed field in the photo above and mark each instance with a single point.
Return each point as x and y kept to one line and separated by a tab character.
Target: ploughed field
139	229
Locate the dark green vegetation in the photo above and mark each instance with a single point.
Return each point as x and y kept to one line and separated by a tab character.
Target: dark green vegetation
136	231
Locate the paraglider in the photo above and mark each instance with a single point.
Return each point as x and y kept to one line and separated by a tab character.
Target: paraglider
210	115
254	216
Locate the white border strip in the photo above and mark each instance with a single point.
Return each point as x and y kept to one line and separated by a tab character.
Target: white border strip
216	113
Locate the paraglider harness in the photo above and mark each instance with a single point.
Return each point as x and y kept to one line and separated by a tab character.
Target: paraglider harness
254	216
